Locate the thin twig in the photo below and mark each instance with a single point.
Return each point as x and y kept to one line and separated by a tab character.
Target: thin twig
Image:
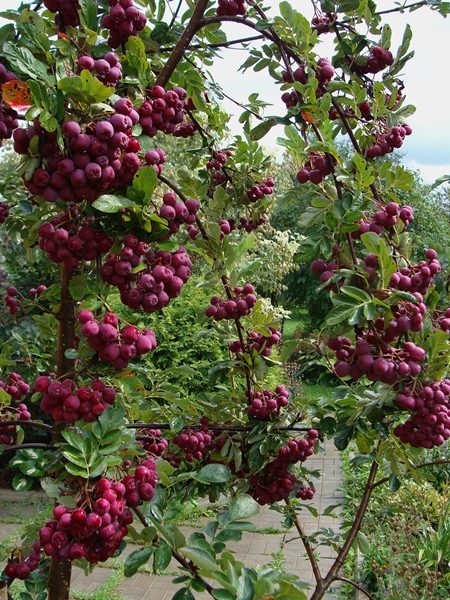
355	585
306	544
178	557
421	466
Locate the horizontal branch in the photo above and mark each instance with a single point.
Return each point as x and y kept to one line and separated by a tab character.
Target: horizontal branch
34	445
252	38
421	466
165	426
26	425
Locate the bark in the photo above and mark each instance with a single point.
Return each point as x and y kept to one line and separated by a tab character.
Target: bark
61	570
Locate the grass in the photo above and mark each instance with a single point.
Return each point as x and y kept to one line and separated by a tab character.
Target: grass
314	391
106	591
298	321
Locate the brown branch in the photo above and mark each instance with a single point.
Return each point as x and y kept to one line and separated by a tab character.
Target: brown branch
225	427
307	545
252	38
183	43
421	466
338	563
177	556
355	585
36	445
26	424
401	8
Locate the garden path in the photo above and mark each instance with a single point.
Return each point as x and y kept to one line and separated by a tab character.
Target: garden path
255	548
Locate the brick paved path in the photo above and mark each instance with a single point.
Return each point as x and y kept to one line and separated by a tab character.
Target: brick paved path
254	548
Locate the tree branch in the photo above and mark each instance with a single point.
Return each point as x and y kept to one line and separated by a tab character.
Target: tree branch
306	544
421	466
36	445
27	425
355	585
177	556
184	41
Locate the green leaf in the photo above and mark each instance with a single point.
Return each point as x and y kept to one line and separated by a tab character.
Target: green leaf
242	507
136	559
263	128
85	88
200	558
340	313
111	204
145	181
71	353
21	59
162	558
356	293
214	473
21	483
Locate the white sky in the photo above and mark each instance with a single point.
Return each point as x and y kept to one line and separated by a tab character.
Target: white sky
427	85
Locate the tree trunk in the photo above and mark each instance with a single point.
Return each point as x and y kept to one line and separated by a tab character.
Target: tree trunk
61	570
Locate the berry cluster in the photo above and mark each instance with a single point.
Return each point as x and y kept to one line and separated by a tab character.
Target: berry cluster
67	12
21	413
444	321
316	168
140	487
161	279
13	302
93	530
324	269
67	402
417	278
259	190
108	70
305	492
299	75
155	444
239	306
267	404
216	164
231	8
429	424
257	342
194	445
21	567
115	345
177	212
124	19
156	158
379	58
385	218
165	111
8	116
103	158
324	71
276	482
15	386
388	141
374	357
69	240
323	23
4	212
406	317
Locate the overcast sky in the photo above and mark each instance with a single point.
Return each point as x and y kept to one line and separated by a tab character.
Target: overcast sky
427	85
